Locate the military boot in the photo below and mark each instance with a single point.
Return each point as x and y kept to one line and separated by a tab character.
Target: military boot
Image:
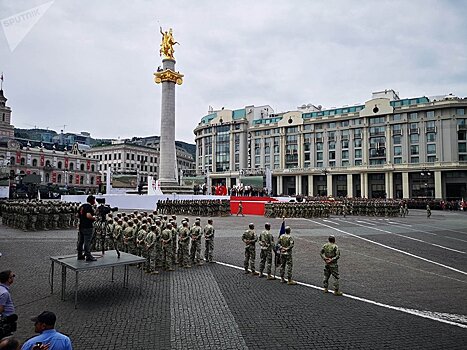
325	290
283	280
291	282
270	277
338	293
255	273
261	274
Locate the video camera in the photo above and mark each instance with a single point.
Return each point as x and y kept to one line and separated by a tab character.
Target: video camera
104	209
7	325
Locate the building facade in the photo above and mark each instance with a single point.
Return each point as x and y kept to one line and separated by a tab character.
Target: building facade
385	148
64	168
127	157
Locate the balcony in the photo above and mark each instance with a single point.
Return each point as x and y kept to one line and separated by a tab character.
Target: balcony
397	132
430	129
377	133
414	131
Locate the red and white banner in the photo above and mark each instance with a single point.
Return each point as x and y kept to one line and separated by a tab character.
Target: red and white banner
42	160
18	157
54	177
88	165
66	162
77	179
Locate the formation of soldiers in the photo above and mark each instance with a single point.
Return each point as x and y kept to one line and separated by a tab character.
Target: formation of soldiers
37	215
282	254
160	239
203	207
323	209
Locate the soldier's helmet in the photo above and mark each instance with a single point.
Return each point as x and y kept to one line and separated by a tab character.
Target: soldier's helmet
169	225
267	226
332	239
287	229
251	226
197	223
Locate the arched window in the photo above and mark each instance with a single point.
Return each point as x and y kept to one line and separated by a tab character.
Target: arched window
92	167
47	177
81	180
92	180
59	165
59	178
34	173
47	163
23	161
72	166
12	160
34	162
70	179
82	167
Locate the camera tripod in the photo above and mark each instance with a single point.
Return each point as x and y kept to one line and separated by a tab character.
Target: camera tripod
101	234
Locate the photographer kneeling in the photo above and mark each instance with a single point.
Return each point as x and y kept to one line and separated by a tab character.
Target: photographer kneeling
86	220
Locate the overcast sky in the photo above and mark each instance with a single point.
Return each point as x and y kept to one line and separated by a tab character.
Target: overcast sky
89	64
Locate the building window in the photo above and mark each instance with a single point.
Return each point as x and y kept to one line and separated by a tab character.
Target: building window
396	139
414	150
430	114
414	138
345	123
431	148
358	153
460	111
397	160
332	155
414	160
332	145
431	159
358	162
319	146
59	165
413	116
396	117
357	143
319	155
345	154
59	178
397	150
431	137
462	147
376	120
34	162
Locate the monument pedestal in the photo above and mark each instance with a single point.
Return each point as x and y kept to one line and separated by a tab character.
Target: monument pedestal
169	187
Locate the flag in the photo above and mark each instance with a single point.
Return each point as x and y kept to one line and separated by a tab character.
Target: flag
282	230
1	77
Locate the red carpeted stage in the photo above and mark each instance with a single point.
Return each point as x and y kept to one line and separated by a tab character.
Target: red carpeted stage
251	205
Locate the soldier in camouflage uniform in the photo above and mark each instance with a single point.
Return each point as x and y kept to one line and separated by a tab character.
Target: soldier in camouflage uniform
196	234
209	241
266	242
183	245
249	238
166	242
285	245
330	254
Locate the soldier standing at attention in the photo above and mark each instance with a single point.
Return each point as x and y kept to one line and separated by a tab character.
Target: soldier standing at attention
286	244
330	254
166	241
196	234
250	239
428	211
266	241
183	244
240	208
209	241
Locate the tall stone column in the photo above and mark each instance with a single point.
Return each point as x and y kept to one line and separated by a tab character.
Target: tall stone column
167	159
168	77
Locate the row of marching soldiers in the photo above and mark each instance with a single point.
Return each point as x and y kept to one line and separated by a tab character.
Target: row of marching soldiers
161	240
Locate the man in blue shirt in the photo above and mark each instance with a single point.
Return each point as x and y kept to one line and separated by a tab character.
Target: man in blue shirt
45	325
7	308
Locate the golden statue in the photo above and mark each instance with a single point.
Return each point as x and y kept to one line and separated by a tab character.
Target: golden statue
167	44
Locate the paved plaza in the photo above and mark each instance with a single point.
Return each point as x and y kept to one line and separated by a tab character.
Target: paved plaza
404	280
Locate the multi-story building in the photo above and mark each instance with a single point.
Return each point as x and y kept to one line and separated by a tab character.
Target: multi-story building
128	157
64	168
387	147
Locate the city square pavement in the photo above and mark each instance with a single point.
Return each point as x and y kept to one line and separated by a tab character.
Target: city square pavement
404	282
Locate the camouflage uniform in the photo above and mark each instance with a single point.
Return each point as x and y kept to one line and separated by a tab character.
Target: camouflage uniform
196	234
209	241
183	245
166	241
330	254
250	239
266	241
286	244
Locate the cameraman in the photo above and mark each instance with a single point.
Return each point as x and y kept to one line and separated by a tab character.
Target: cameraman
7	308
86	219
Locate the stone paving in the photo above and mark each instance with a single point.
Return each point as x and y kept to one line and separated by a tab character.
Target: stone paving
218	307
